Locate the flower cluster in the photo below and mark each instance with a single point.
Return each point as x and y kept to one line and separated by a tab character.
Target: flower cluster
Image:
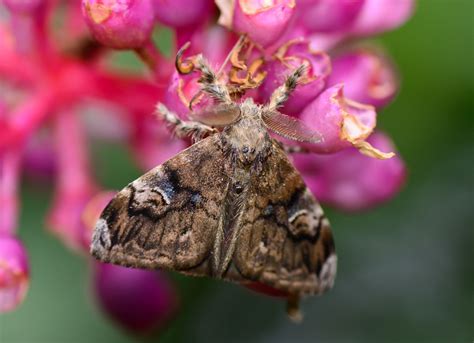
58	89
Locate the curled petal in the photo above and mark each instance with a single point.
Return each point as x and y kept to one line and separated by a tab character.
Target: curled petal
14	273
368	77
142	301
125	24
351	181
382	15
341	123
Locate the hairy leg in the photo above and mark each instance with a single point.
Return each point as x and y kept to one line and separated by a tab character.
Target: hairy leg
183	128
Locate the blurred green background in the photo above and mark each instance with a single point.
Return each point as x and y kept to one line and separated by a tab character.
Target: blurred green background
405	269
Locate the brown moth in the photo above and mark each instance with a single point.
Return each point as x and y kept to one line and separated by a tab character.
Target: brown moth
231	206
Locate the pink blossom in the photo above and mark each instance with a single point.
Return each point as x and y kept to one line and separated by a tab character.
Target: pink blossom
341	123
120	24
368	76
382	15
262	21
140	300
14	272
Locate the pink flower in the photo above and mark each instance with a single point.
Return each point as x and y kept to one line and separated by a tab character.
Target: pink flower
125	24
368	76
341	123
142	301
351	181
262	21
14	273
382	15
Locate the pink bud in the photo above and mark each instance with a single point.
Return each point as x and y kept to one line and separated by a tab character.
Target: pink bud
291	56
182	13
351	181
263	21
14	273
142	301
382	15
368	77
120	24
328	15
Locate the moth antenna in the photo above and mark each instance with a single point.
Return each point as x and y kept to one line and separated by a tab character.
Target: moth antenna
282	93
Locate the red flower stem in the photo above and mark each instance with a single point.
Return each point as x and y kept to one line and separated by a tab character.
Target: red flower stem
73	163
9	178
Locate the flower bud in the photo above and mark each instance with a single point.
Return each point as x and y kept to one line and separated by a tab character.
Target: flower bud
263	21
182	13
351	181
288	58
382	15
341	123
142	301
120	24
14	273
328	15
368	77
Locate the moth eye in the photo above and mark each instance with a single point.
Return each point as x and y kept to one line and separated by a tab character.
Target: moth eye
238	188
245	149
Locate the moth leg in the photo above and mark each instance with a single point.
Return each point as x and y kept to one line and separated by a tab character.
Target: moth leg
293	308
210	83
282	93
183	128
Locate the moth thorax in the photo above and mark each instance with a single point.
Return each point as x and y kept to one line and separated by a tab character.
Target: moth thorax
248	140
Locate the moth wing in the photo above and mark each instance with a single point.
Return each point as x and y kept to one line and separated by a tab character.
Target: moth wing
291	128
167	218
285	240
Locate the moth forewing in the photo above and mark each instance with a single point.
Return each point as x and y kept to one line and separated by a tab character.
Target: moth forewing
231	206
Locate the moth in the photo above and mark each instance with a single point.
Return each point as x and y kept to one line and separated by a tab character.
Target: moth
231	206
